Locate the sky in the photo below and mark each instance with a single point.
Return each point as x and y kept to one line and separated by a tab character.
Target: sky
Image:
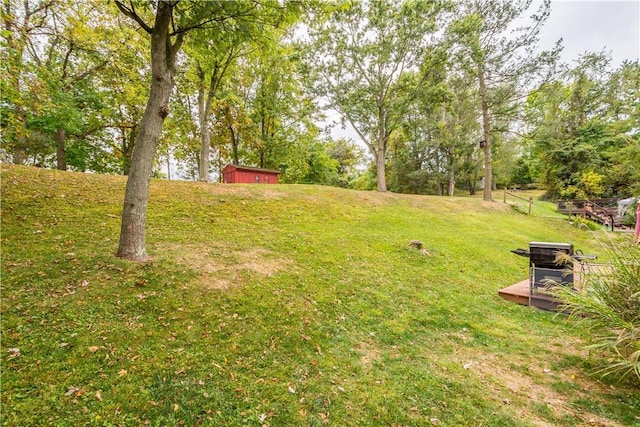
594	25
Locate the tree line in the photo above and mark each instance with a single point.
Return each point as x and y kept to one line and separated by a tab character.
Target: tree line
442	96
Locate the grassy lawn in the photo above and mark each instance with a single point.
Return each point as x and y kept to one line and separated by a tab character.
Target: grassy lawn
282	305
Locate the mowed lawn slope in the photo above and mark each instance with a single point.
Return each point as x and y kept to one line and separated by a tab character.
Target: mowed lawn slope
281	305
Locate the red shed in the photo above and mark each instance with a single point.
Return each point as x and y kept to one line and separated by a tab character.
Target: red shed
234	174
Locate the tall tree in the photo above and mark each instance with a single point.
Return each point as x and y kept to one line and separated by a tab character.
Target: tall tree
66	67
172	21
357	57
502	54
213	52
21	22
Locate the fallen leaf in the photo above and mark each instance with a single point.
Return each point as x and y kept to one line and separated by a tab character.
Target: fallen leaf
176	407
122	373
71	390
99	395
94	348
467	365
292	390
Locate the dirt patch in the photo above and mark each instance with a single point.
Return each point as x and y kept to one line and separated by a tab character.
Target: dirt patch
220	268
496	206
368	354
512	387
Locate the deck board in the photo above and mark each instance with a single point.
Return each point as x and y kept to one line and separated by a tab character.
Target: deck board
520	293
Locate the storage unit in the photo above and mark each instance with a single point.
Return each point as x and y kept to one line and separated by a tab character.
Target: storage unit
234	174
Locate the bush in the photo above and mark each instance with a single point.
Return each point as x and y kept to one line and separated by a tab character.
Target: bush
584	224
607	310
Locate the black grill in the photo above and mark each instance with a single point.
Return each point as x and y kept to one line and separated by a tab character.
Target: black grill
545	254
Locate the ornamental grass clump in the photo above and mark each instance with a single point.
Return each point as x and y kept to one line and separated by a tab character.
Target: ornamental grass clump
607	309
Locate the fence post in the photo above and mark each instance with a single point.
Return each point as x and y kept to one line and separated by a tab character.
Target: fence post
505	195
530	203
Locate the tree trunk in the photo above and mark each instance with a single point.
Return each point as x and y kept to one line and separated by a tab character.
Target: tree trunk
134	214
452	181
234	145
128	144
61	156
380	171
486	131
380	155
203	115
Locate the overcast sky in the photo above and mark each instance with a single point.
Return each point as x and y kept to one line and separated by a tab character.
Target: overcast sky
594	25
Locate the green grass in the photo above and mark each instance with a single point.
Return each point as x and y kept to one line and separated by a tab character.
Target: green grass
281	305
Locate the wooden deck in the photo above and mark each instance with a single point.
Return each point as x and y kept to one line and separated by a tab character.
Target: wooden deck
520	293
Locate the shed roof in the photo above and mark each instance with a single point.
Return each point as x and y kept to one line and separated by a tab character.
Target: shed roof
251	169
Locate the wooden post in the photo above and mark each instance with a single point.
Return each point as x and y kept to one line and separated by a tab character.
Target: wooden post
530	203
505	194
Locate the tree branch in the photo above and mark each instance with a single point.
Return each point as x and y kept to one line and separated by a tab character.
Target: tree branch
131	13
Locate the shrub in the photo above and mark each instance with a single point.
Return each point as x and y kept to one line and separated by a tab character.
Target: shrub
584	223
607	309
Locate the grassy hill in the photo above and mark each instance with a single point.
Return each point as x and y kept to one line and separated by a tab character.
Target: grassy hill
282	305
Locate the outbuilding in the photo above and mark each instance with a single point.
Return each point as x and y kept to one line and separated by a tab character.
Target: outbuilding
234	174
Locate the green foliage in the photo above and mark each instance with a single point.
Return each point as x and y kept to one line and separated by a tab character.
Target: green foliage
607	310
584	223
357	61
583	139
521	173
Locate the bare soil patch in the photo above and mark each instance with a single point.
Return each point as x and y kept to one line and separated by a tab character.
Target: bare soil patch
525	391
219	268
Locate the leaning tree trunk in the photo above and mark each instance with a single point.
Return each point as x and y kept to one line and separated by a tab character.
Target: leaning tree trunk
488	168
134	214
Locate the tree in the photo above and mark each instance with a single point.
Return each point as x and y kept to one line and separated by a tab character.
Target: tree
212	53
21	21
356	59
583	134
68	99
504	60
172	21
